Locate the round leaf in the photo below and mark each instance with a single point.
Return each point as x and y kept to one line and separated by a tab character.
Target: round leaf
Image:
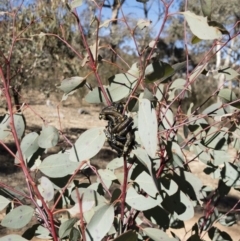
70	84
18	217
121	86
100	223
199	27
29	145
88	145
58	165
139	202
48	137
3	202
46	189
12	237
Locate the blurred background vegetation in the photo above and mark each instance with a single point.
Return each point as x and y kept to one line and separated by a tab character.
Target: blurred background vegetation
41	59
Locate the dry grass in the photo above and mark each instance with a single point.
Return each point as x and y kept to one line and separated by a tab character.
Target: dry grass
67	119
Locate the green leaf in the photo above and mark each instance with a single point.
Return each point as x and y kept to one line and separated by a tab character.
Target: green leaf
228	73
147	126
180	205
70	84
140	202
43	233
157	234
107	174
230	174
158	216
88	196
130	235
74	235
12	237
228	220
178	84
115	163
100	223
146	183
46	188
143	157
200	27
48	137
176	68
157	70
195	182
169	186
5	127
196	72
134	70
18	217
58	165
96	96
3	202
216	109
206	8
220	157
29	145
216	139
76	3
195	40
167	118
19	124
219	26
218	235
66	227
87	145
159	92
228	96
121	85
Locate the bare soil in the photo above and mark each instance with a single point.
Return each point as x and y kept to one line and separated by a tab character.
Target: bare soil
68	120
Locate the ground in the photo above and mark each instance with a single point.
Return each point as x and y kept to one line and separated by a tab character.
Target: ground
71	122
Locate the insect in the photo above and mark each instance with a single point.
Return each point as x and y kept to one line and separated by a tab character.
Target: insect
119	131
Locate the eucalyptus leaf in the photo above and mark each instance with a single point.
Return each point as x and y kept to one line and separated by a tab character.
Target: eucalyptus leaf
66	227
129	235
147	126
49	137
206	6
46	188
228	72
3	202
76	3
29	145
216	234
12	237
97	228
70	84
157	234
18	217
58	165
140	202
158	70
200	27
5	127
87	145
96	96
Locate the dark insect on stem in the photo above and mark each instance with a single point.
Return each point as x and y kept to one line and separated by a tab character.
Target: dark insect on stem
119	131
